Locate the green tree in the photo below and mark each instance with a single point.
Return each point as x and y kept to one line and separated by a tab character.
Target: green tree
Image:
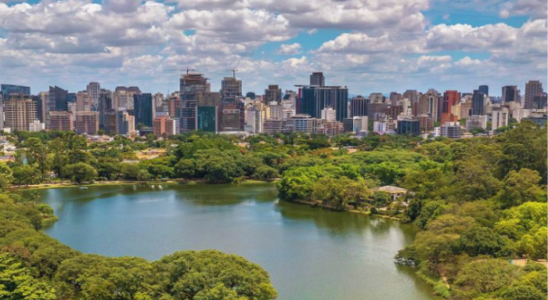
16	282
185	168
523	292
129	171
26	174
519	187
80	172
484	276
339	192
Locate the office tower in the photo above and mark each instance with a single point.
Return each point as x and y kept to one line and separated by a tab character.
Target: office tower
273	93
395	97
393	111
302	123
478	103
144	110
317	79
428	104
358	106
164	126
484	89
158	99
231	88
207	118
86	122
191	85
450	99
104	105
209	99
408	127
60	120
413	97
94	91
509	94
533	88
9	90
19	113
57	99
174	106
313	99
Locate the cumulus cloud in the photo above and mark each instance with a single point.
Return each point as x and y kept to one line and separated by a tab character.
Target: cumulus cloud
289	49
381	42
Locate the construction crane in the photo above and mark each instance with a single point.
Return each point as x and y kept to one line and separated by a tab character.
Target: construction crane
233	72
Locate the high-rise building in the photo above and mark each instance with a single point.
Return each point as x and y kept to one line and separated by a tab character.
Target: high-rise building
41	106
484	89
413	97
125	123
313	99
499	118
317	79
8	90
233	117
509	94
254	119
376	98
122	97
540	101
428	104
164	125
273	93
207	118
83	101
190	87
231	88
174	106
478	103
19	113
60	120
109	122
105	104
395	97
57	99
94	92
144	110
450	99
533	88
86	122
358	106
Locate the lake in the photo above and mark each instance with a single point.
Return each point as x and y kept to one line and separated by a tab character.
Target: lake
310	253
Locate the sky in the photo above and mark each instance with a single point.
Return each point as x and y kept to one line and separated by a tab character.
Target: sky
367	45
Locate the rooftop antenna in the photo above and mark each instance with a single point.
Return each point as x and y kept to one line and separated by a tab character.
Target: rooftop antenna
189	69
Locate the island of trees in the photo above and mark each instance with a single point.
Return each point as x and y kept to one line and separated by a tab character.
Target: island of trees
480	202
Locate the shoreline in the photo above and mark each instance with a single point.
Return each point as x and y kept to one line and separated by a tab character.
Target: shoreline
353	211
44	186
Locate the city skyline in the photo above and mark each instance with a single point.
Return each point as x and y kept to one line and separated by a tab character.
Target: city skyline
369	47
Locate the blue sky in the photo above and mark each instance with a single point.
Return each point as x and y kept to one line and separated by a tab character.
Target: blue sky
367	45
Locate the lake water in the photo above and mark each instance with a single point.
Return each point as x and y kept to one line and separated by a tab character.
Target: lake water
310	253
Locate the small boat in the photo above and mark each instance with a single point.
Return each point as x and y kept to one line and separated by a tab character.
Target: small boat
83	187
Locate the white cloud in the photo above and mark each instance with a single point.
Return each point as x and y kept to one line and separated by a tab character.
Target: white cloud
289	49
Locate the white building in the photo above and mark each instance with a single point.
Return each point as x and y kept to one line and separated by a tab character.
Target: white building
329	114
382	127
476	122
36	126
360	124
499	118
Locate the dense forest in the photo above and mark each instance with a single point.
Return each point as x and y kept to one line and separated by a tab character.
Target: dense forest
480	203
